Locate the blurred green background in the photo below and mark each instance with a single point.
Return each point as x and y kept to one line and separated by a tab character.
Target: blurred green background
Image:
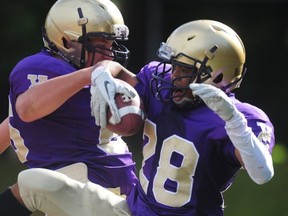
263	27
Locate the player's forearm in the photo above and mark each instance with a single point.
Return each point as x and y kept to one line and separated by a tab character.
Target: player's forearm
4	135
42	99
254	154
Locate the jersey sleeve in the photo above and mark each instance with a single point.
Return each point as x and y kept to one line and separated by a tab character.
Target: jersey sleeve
36	69
259	122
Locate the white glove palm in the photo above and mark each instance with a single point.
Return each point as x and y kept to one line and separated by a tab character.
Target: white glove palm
215	99
103	90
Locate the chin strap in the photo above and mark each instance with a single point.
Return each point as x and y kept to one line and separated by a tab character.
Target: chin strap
236	82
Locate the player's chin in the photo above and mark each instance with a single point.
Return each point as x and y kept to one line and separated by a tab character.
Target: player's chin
181	101
182	97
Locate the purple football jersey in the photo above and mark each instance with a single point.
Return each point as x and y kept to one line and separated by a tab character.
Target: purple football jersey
188	158
69	134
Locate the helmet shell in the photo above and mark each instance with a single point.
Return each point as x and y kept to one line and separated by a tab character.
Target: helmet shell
63	25
195	39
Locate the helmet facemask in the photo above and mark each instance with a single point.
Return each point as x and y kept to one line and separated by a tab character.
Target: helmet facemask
160	85
212	48
117	52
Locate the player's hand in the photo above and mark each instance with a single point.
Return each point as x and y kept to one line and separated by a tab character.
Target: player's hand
98	107
215	99
103	90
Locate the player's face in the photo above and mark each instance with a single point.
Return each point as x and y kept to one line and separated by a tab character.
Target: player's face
181	77
99	42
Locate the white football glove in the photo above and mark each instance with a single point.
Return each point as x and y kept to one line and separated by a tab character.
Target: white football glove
254	154
103	90
215	99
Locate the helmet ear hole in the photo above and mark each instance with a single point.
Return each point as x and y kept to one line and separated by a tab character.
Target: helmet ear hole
218	79
65	43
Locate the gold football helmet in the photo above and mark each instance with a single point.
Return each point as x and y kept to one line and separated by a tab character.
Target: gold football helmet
70	24
213	51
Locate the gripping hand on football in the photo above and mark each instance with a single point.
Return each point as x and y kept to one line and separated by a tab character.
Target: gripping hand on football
103	90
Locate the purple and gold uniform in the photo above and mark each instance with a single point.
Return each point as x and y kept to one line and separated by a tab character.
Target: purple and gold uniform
188	158
69	134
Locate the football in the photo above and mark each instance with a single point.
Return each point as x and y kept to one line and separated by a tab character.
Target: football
131	112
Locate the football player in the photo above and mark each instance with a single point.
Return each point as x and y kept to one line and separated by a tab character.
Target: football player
197	135
50	115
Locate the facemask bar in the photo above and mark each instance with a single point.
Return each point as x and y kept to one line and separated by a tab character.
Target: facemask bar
118	52
162	86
